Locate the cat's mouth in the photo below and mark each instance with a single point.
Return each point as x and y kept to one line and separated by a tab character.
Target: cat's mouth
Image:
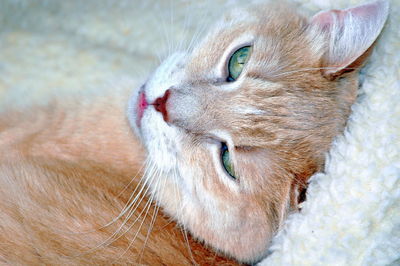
141	106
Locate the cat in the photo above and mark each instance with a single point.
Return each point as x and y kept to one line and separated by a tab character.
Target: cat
239	124
225	136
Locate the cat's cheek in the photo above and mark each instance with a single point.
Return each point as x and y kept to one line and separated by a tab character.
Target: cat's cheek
241	232
216	212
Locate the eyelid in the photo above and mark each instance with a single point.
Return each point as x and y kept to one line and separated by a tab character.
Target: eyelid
221	136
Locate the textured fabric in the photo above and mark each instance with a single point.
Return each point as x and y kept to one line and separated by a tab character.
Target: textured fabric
352	212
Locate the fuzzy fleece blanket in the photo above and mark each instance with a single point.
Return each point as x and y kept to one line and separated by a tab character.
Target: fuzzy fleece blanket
352	212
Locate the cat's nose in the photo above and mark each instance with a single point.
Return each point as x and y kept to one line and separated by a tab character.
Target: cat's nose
160	104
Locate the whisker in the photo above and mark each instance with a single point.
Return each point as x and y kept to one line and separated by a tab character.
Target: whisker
309	69
148	204
183	230
185	32
131	209
171	26
132	202
166	37
153	220
129	215
198	33
145	209
133	179
120	214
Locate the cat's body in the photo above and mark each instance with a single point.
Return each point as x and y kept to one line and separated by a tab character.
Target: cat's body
65	173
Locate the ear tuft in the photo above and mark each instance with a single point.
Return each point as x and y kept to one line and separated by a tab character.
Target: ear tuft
350	34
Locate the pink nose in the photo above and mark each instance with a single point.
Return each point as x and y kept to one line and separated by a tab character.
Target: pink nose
160	104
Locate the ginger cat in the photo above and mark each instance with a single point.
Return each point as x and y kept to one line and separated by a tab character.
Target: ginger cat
225	136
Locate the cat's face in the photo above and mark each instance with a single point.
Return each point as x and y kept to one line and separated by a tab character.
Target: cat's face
234	128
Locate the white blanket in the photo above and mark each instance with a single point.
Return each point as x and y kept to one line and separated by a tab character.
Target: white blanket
352	212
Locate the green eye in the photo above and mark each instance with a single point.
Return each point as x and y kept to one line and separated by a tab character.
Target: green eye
237	62
226	161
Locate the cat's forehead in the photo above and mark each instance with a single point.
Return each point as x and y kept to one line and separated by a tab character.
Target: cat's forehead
207	57
263	90
264	24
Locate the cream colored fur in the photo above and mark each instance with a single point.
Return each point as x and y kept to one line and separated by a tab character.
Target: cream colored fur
11	37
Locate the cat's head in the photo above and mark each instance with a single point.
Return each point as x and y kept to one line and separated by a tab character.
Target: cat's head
234	128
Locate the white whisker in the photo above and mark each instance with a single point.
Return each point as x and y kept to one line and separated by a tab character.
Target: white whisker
183	230
130	209
153	220
133	179
147	208
122	211
306	69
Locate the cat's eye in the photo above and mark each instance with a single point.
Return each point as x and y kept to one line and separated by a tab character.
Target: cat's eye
226	160
236	62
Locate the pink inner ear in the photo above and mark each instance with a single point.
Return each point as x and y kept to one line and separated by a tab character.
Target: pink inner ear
368	10
325	20
351	32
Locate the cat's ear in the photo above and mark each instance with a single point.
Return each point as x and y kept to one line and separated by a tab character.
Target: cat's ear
350	35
